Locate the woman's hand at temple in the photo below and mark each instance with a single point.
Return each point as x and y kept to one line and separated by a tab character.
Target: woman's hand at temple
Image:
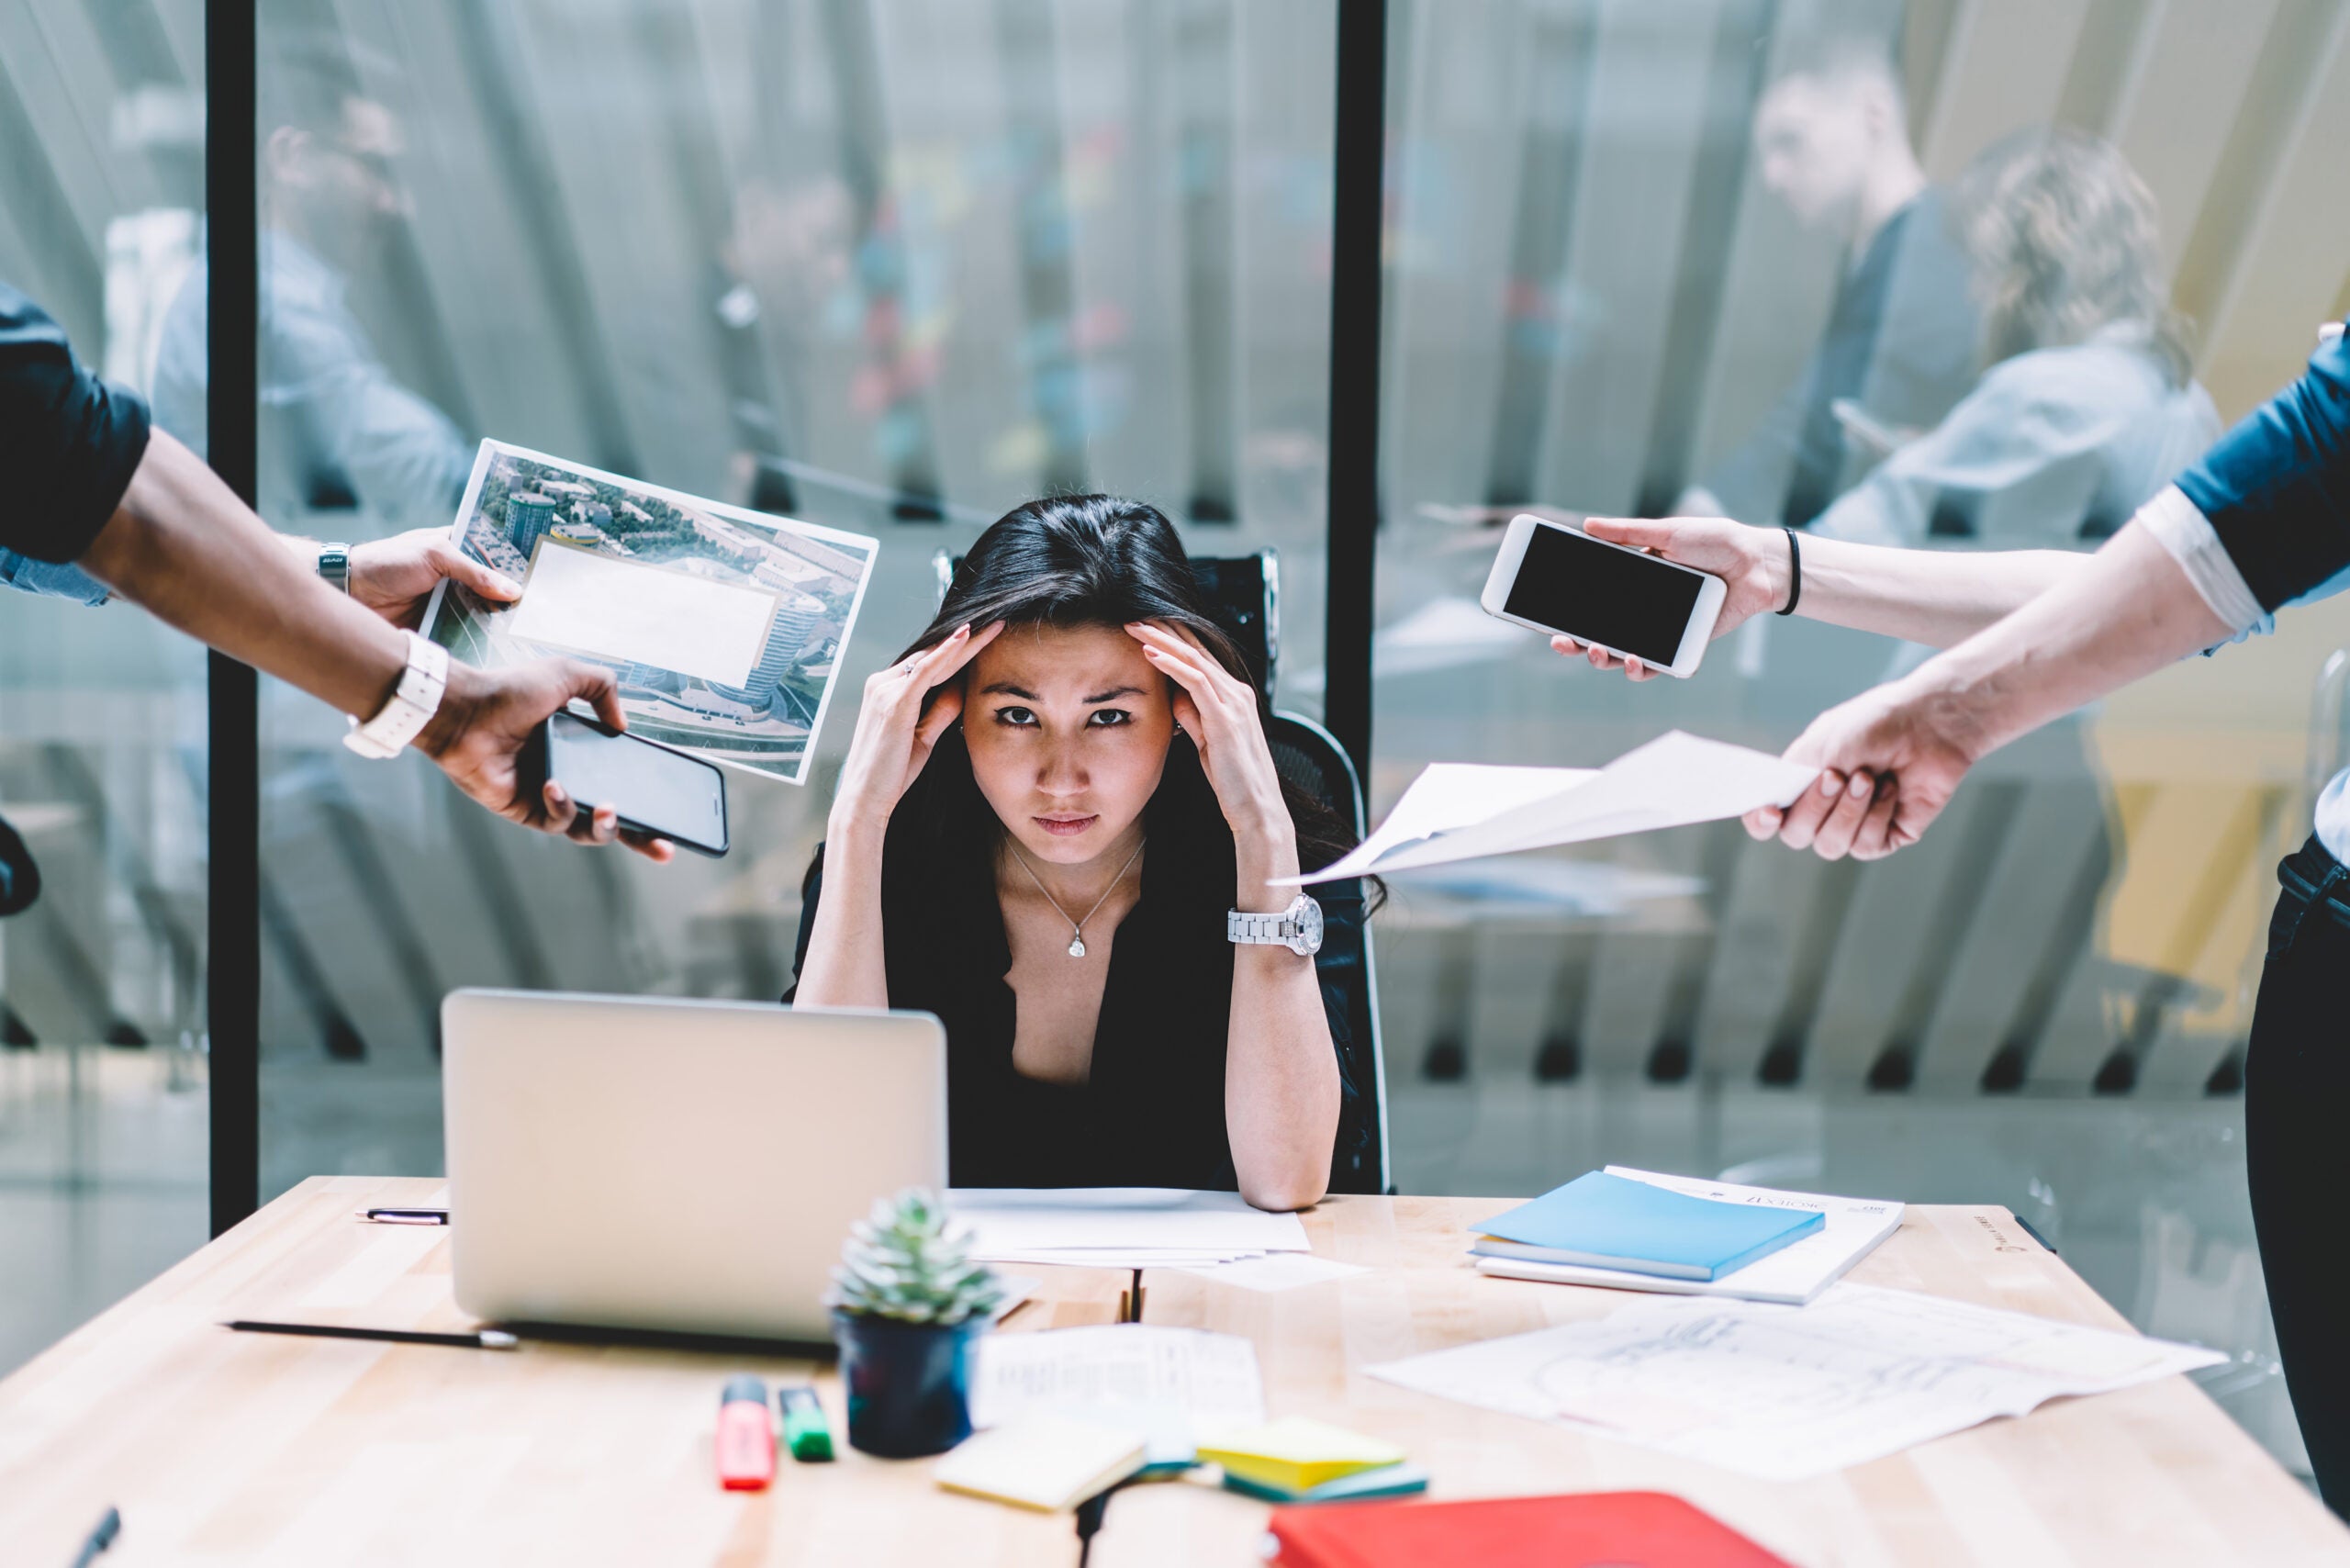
908	705
1219	712
1281	1093
1752	561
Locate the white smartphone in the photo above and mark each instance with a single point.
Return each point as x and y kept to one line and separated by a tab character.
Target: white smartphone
1627	601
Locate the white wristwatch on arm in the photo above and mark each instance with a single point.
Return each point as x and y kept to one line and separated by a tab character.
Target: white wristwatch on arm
1297	928
409	708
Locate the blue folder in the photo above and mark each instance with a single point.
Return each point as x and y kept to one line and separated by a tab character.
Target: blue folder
1611	1222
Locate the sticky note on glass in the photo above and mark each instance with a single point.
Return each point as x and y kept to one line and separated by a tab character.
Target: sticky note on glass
1295	1453
584	602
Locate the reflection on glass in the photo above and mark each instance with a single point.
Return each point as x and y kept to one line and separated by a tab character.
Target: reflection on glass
1831	142
341	428
2089	405
887	265
103	1089
1848	266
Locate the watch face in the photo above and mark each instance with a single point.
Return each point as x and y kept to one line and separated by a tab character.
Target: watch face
1308	916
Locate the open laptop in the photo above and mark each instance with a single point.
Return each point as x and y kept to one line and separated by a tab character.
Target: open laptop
681	1166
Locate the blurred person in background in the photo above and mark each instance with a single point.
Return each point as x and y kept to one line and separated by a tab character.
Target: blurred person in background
2088	405
348	432
1831	142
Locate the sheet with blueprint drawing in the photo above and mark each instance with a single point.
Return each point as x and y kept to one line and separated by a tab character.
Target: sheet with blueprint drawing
1783	1393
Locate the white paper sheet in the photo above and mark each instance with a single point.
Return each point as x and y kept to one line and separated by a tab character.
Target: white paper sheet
1784	1392
1177	1386
1276	1271
658	616
1793	1275
1462	811
1119	1227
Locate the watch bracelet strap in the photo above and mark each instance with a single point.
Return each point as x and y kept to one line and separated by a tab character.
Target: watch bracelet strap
410	706
1258	929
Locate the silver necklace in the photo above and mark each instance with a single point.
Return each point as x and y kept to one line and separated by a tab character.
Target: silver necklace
1076	927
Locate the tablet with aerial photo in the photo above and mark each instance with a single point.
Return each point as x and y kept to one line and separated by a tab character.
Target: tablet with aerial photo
725	626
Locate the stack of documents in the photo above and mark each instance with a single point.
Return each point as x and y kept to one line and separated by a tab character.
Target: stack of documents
1784	1392
1850	1230
1611	1222
1120	1227
1177	1387
1461	810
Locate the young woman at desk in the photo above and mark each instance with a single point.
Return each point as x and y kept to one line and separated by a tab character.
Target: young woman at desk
1056	815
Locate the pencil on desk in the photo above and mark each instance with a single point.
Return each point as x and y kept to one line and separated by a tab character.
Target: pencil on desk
481	1339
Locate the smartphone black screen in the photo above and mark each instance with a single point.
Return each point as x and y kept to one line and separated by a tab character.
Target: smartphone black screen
1598	594
677	797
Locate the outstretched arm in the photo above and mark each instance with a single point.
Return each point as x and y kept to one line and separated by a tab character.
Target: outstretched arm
1935	596
1891	757
2262	520
181	546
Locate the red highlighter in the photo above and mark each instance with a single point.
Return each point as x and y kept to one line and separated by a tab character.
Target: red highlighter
746	1445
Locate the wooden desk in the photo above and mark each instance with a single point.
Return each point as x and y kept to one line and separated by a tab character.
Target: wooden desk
249	1449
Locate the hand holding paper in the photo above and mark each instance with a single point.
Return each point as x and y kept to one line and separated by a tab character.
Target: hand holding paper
1462	811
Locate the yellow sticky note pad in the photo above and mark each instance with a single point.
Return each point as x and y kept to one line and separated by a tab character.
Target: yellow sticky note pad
1297	1453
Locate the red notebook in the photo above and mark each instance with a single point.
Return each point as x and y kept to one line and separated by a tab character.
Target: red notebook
1590	1530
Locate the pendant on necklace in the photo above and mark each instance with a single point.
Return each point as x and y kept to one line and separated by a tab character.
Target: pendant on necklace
1076	947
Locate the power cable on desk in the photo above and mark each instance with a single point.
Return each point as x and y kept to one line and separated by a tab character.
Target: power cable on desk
1089	1514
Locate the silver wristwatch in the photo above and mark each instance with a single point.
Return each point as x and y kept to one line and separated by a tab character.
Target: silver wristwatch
334	565
1297	928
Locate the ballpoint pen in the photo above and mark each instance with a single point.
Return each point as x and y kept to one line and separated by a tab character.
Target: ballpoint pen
405	1215
100	1538
478	1340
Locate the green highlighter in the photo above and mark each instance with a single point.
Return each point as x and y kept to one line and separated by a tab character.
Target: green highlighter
805	1432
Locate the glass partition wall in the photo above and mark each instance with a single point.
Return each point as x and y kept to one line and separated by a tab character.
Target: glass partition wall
1949	275
887	265
894	266
102	736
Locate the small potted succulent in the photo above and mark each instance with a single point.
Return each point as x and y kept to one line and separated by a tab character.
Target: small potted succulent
907	1302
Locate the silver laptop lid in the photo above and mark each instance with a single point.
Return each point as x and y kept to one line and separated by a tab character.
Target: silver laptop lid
685	1166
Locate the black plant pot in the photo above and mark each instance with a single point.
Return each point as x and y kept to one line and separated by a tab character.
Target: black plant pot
908	1384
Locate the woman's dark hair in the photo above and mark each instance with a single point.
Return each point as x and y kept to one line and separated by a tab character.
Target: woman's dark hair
1068	561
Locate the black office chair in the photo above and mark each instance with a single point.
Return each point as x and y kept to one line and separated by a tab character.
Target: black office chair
1245	593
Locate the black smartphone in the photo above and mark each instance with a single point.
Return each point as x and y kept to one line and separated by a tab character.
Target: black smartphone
655	788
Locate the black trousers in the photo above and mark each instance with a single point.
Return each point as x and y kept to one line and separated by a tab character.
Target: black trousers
2296	1102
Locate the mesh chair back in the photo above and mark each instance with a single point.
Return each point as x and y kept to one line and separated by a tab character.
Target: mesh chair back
1310	758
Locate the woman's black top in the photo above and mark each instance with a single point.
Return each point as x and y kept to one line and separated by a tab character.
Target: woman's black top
1150	1112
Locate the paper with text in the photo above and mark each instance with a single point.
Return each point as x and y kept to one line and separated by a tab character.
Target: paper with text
1119	1227
1463	811
1177	1386
1784	1392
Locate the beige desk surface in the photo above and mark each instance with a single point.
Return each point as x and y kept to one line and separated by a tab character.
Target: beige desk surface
261	1451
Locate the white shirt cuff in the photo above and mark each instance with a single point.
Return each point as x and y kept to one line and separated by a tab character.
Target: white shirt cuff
2183	529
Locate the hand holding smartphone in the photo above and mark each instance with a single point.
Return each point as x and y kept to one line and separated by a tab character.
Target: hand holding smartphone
1628	602
655	790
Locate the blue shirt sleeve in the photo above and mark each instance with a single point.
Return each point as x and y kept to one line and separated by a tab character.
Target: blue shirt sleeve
2276	487
69	441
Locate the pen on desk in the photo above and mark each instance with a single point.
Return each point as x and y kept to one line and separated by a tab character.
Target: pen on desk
481	1339
100	1538
405	1216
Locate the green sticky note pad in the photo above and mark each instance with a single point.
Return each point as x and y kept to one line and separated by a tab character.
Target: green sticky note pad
805	1431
